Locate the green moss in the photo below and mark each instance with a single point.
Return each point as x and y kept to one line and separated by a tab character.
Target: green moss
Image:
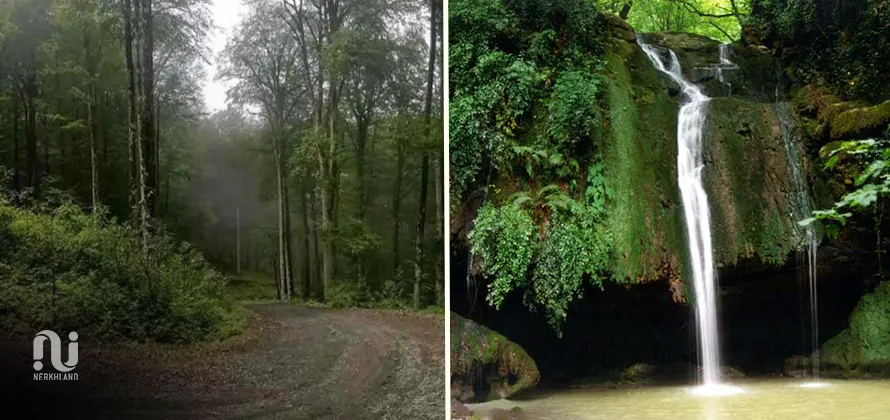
505	365
861	122
640	157
747	179
866	342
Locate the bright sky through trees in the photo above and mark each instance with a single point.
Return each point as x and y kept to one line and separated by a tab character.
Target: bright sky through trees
226	16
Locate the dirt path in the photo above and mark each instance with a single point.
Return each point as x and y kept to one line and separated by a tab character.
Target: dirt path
294	363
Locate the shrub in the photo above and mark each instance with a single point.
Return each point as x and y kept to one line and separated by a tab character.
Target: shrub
68	270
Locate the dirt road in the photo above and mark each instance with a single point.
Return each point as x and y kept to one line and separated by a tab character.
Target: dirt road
292	363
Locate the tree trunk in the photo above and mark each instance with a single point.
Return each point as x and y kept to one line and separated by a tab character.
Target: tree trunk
16	181
129	38
238	239
425	164
315	257
149	147
397	210
288	243
625	10
440	239
141	169
285	278
361	142
305	281
94	168
29	94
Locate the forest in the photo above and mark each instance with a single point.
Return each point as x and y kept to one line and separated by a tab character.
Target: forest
668	191
128	209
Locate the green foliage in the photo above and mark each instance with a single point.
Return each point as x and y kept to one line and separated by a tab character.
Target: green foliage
575	245
71	271
711	18
392	294
573	110
525	96
349	295
872	183
510	62
841	44
503	240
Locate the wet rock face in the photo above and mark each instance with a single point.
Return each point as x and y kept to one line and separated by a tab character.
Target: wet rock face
746	172
485	365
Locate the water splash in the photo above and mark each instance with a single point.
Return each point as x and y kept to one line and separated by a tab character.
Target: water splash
690	122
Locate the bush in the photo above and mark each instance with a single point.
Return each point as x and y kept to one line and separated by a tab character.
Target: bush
67	270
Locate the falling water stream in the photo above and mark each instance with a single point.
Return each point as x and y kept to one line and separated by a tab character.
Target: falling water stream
801	208
690	122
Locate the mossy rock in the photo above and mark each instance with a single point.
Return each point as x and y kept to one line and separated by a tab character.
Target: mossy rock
861	122
640	148
485	365
618	28
865	345
747	179
754	76
637	372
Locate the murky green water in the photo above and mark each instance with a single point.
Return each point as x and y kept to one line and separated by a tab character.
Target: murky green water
768	399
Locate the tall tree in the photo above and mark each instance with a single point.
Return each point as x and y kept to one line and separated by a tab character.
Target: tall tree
425	165
262	57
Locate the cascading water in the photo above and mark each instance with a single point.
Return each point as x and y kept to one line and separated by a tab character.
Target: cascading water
690	122
724	64
802	208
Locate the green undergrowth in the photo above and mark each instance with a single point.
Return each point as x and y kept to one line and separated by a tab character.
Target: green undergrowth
392	294
526	83
69	271
249	286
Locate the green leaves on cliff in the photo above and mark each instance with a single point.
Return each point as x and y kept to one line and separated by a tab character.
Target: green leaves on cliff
872	182
573	110
525	83
502	238
547	255
523	73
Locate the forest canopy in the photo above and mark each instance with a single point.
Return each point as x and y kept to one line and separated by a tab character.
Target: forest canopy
322	176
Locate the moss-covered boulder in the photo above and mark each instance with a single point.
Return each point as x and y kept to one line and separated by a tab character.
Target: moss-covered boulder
832	119
485	365
864	347
860	122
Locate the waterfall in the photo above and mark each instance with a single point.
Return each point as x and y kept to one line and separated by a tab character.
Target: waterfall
690	123
724	64
801	208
